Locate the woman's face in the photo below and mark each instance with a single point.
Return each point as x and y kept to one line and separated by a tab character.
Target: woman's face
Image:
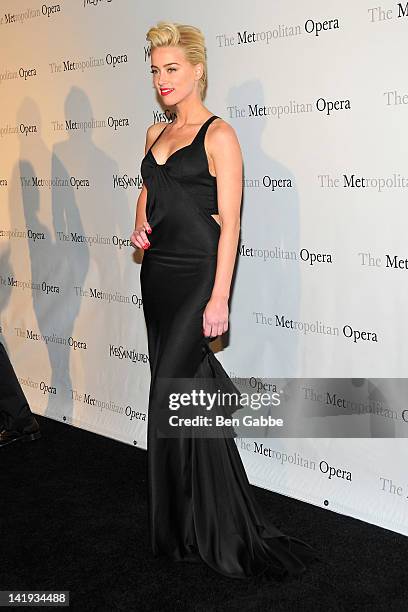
173	76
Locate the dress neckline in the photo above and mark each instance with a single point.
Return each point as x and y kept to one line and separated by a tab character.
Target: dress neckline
181	148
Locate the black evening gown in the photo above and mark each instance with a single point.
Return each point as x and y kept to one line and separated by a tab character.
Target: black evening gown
201	504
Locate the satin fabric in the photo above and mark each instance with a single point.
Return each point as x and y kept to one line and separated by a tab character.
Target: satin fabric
201	504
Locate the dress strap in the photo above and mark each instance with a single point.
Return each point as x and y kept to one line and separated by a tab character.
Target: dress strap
205	125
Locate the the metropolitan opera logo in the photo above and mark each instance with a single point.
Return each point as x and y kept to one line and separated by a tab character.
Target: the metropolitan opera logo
110	297
313	27
348	331
28	284
45	10
106	405
290	107
276	253
93	239
295	459
83	125
70	342
76	182
81	64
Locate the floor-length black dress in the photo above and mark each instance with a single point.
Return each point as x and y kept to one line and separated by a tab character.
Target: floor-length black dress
201	506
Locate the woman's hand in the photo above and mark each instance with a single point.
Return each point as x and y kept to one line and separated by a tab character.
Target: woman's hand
139	238
215	317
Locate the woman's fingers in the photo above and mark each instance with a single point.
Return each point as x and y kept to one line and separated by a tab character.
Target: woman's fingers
145	240
215	328
207	327
136	240
140	239
205	330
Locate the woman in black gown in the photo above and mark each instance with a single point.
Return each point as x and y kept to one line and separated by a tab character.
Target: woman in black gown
201	505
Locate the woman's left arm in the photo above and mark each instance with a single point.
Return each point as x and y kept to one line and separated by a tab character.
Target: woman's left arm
225	151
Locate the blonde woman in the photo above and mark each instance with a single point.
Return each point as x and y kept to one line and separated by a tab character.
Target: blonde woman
201	506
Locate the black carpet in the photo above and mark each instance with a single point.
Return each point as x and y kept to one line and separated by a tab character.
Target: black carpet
74	518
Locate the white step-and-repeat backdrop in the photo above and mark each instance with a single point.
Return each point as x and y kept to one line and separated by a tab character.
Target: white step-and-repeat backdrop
318	96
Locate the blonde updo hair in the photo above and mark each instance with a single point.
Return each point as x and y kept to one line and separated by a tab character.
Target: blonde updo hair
189	38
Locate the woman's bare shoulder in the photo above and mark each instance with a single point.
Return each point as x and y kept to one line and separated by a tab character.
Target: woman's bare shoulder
221	134
220	124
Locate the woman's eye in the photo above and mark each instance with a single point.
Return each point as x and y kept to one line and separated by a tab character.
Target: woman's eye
154	71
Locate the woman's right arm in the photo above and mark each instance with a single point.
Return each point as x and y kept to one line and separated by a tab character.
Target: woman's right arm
139	237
